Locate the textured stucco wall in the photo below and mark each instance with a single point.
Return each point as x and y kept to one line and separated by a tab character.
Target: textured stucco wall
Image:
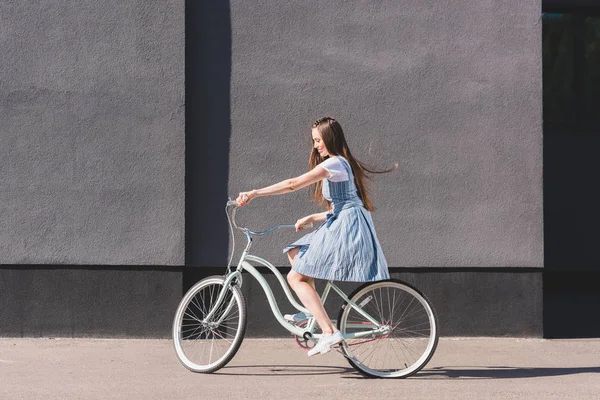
452	92
92	131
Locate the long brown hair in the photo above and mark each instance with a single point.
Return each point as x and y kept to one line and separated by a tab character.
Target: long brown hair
335	142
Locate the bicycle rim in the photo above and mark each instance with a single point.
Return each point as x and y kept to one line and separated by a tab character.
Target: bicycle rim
409	343
206	346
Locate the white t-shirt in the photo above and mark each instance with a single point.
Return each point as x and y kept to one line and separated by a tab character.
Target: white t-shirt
336	169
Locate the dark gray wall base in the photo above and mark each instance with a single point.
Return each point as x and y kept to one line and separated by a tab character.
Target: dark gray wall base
468	301
141	301
88	301
474	302
571	304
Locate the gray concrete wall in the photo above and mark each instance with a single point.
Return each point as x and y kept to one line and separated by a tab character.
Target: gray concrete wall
92	131
91	123
452	92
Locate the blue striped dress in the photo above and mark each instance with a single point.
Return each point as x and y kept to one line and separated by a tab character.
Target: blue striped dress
345	246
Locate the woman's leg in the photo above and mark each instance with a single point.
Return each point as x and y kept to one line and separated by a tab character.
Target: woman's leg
304	286
292	257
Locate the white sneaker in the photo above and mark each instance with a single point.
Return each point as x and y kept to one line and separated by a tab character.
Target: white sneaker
301	316
325	343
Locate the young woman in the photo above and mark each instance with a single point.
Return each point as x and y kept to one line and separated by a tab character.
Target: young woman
345	246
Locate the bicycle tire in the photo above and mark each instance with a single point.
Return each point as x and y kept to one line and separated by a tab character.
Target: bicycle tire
191	335
412	341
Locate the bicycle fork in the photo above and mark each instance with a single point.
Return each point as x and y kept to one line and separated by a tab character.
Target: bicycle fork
229	280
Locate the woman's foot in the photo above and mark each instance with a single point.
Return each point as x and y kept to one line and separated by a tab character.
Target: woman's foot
326	342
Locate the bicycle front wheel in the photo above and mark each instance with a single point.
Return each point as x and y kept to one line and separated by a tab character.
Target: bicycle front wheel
206	346
411	332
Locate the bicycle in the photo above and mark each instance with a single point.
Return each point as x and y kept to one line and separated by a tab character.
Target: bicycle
390	329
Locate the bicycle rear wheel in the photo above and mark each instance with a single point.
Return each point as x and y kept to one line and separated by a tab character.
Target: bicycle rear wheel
206	346
412	334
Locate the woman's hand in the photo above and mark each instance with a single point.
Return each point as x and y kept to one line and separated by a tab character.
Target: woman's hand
303	223
244	198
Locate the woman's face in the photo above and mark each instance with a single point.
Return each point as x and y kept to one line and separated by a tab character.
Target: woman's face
318	143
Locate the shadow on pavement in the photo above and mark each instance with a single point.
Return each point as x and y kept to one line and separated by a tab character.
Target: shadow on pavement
286	370
501	372
497	372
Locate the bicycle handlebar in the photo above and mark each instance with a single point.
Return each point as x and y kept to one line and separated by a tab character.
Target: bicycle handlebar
232	220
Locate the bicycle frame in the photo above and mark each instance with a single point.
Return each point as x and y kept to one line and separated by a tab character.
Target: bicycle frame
235	277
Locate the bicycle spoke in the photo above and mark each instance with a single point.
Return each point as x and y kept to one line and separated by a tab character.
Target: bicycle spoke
223	337
192	316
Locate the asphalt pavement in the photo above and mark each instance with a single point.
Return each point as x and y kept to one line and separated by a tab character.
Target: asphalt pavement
462	368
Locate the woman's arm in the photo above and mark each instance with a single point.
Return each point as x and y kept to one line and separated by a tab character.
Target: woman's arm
304	222
287	186
318	217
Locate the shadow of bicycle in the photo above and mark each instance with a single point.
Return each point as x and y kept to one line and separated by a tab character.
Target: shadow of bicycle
494	372
502	372
285	370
